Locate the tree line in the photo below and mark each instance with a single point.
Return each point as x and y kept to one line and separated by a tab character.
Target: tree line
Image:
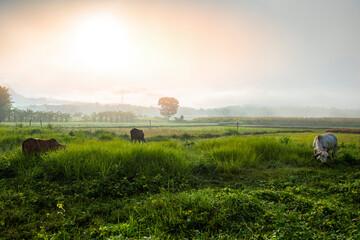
168	108
17	115
110	116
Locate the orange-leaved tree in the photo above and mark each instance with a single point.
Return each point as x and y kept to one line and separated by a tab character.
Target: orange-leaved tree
168	106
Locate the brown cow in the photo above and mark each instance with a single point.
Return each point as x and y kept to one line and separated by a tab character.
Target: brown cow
137	135
35	145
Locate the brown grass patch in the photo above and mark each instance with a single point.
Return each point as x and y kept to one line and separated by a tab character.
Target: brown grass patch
344	130
279	131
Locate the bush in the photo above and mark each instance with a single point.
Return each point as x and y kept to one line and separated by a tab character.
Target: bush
106	137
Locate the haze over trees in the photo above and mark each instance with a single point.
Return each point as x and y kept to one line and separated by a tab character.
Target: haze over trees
49	111
17	115
111	116
14	114
168	106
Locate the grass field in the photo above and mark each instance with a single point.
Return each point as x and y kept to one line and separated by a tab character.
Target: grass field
184	183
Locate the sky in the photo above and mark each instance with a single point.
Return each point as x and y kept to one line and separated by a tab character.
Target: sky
205	53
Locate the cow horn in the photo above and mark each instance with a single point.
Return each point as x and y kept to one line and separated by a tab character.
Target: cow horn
315	156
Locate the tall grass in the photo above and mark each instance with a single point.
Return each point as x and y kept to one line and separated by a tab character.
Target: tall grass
115	159
103	186
234	153
104	155
110	157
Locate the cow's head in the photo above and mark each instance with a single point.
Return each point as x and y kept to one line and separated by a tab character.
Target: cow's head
61	146
323	156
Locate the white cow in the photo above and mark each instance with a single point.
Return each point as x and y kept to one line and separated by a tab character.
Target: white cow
324	143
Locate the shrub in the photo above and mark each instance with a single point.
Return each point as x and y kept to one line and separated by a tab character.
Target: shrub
106	136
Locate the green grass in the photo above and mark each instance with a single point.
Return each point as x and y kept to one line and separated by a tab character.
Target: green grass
220	185
282	121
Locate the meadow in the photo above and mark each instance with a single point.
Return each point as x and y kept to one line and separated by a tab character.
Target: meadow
210	182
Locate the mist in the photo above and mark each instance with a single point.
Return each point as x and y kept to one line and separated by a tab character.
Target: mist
206	54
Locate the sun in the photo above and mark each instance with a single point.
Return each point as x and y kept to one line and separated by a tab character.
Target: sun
101	43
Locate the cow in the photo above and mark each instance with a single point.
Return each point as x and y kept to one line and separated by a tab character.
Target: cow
137	135
35	145
324	143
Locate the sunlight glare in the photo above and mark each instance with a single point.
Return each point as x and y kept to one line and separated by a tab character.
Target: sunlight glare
101	43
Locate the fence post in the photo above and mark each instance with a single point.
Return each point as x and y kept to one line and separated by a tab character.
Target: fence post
237	126
30	122
40	123
150	123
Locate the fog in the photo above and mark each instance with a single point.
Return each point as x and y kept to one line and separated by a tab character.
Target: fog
207	54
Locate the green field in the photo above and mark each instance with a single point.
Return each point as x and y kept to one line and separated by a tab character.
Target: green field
194	182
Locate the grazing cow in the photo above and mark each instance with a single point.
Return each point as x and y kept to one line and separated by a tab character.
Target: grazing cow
35	145
137	135
324	143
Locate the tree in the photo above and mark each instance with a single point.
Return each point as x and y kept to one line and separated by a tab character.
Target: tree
29	114
86	118
94	116
168	106
67	116
5	103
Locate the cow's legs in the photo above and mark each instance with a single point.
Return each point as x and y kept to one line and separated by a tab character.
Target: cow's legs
335	152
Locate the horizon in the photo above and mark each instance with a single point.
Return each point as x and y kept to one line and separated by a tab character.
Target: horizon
276	111
206	54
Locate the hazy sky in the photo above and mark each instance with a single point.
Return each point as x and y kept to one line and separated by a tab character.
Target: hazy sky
204	53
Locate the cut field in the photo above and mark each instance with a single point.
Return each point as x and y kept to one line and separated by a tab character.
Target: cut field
187	182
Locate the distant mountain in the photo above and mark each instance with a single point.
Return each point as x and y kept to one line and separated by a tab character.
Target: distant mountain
274	111
188	113
21	102
88	108
48	104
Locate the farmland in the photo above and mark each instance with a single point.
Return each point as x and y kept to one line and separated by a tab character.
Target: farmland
194	182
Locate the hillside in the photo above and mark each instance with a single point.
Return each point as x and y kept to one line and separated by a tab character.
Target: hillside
46	104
